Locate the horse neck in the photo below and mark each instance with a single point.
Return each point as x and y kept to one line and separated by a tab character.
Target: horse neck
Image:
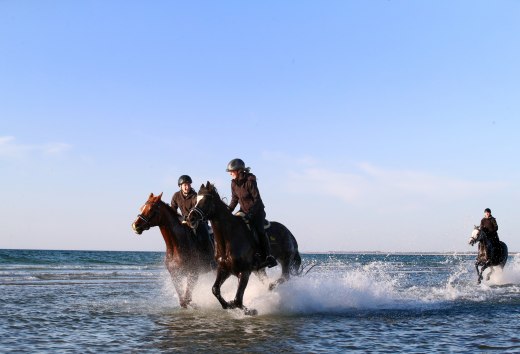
220	222
484	244
168	223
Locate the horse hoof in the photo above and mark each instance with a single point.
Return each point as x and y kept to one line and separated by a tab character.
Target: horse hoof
231	305
250	312
194	306
272	286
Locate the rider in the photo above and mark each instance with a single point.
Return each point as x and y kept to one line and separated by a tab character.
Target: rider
185	199
489	225
244	191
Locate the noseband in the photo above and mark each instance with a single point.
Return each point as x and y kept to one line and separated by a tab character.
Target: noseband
148	219
200	213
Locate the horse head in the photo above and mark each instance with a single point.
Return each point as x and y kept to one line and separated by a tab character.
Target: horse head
149	214
476	235
207	197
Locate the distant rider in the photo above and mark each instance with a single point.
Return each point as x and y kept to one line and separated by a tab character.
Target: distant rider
185	199
489	225
244	191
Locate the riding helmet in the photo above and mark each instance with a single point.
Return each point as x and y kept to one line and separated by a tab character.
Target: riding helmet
236	165
487	210
184	179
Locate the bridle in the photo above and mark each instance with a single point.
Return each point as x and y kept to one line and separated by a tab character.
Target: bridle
147	220
199	212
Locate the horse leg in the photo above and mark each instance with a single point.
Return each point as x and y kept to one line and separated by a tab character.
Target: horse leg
283	278
176	279
479	275
491	269
222	275
262	275
177	283
191	282
243	279
484	267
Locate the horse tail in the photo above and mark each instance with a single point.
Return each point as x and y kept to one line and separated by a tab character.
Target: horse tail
295	267
505	254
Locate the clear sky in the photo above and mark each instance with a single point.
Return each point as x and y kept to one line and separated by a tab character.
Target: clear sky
371	125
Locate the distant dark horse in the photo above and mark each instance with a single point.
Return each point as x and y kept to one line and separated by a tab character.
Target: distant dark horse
485	257
184	255
236	247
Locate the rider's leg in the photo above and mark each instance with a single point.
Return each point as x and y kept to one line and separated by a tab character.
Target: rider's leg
265	246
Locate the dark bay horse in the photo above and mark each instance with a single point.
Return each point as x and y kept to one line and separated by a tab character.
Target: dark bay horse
485	256
185	258
236	247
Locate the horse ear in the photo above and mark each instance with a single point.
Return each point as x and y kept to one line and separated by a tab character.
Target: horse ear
208	184
159	196
202	185
151	196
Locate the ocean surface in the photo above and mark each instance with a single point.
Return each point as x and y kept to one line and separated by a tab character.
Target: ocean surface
78	301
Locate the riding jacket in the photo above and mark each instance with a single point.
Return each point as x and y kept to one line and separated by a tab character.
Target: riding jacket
244	190
490	227
184	202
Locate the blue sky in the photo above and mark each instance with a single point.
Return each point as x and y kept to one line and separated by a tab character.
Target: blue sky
371	125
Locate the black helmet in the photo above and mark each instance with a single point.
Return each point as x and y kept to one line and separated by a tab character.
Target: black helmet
487	210
235	165
184	179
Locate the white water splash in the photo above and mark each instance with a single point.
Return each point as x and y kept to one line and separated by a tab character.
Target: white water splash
338	288
509	275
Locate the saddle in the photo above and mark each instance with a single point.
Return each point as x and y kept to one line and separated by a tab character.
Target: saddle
267	224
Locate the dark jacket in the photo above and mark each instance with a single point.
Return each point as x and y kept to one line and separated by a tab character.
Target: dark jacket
184	202
244	191
489	226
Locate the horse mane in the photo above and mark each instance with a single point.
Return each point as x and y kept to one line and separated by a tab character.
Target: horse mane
170	210
210	188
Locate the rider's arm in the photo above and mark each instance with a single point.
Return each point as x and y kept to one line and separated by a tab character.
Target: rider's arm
234	199
495	225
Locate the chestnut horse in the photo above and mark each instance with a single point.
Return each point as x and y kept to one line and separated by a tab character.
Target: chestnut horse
237	248
185	258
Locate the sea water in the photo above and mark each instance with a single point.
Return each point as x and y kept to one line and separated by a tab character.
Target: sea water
78	301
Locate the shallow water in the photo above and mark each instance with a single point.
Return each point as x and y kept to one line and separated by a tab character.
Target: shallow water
124	301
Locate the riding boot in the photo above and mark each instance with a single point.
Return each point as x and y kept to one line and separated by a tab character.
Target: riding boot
258	222
266	250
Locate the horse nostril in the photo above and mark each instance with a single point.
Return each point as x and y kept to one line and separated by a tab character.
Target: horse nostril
137	229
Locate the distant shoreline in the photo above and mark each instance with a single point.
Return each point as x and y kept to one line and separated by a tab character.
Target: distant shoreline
411	253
